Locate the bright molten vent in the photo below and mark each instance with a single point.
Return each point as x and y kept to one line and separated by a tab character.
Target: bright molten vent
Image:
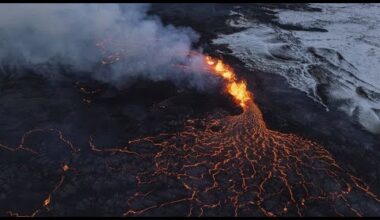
232	165
238	89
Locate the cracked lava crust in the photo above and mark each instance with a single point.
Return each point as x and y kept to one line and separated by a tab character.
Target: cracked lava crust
216	166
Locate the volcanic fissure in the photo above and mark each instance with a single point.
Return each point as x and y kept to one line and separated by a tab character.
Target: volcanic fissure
233	164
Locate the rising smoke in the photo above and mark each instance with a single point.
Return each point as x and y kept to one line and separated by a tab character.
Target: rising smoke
47	37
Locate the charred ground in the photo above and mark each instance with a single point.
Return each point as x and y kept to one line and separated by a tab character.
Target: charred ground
73	113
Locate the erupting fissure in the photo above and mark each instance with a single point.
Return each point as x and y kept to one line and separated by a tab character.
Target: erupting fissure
237	166
238	89
228	166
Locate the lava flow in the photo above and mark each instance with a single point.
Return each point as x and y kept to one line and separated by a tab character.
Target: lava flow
44	200
214	166
237	89
237	166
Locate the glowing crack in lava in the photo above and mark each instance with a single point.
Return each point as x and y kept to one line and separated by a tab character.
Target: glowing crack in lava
225	166
61	168
241	168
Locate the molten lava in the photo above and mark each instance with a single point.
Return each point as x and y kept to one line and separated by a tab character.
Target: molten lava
237	89
244	168
226	166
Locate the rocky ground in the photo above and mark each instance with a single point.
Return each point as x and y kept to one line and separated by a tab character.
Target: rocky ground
284	108
53	134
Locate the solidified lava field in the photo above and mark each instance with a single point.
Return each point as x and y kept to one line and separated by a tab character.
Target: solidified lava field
81	147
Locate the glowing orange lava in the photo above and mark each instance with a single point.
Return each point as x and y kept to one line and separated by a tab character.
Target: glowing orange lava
227	166
248	168
237	89
36	153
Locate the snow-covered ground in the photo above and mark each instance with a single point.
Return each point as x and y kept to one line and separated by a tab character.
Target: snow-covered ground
339	68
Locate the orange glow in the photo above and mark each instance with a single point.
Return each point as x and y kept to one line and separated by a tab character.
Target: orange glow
66	168
219	66
237	89
209	61
47	201
229	165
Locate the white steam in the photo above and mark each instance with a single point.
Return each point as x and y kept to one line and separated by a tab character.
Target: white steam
46	36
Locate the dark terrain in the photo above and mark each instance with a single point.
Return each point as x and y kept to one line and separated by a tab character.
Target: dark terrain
80	116
284	108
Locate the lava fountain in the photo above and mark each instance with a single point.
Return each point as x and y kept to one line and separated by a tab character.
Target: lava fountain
236	166
225	166
237	89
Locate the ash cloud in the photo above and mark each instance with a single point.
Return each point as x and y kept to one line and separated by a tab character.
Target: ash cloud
77	37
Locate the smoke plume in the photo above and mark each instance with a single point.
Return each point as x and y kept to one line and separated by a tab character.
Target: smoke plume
86	38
